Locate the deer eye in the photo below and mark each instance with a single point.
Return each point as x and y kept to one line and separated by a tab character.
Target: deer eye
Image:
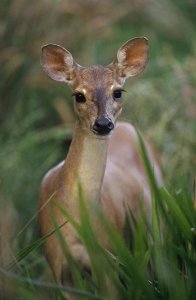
117	94
79	97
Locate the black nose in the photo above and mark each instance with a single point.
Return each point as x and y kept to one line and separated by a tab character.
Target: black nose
103	125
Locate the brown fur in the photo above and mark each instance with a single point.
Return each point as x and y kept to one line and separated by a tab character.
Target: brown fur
109	168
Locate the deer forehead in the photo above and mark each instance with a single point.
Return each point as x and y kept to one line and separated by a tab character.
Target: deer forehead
95	78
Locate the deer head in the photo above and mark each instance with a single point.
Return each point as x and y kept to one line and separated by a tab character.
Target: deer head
97	90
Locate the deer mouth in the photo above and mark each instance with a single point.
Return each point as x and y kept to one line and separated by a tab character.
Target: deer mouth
101	132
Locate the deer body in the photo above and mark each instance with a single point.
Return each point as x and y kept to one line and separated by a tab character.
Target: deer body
103	159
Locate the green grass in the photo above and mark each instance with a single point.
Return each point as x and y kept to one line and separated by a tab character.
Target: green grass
36	122
158	261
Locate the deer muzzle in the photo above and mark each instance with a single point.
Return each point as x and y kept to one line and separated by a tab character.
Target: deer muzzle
103	126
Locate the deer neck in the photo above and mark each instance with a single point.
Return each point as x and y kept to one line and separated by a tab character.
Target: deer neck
85	164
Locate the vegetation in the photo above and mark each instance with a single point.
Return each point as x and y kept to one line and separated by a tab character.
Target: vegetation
36	121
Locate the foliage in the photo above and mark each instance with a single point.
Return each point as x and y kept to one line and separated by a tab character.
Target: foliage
157	262
36	119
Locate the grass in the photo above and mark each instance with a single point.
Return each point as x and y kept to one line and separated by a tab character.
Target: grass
158	262
36	121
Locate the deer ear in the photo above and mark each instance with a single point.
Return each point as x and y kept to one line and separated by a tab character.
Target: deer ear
132	57
57	62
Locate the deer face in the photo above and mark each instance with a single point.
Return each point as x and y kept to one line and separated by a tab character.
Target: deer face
97	90
97	98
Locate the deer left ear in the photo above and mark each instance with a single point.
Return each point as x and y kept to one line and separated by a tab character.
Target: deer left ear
132	57
57	62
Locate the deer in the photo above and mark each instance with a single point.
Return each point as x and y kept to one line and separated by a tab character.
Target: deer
103	157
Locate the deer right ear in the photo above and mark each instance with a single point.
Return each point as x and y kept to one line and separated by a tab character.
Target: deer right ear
132	57
57	62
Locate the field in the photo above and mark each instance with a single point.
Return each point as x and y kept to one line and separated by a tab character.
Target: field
36	124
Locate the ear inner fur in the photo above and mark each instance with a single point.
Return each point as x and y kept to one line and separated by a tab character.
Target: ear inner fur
57	62
132	57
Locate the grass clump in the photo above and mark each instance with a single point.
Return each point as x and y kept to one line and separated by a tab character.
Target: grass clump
157	261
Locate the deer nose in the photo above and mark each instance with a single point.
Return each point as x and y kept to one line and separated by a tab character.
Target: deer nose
103	125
